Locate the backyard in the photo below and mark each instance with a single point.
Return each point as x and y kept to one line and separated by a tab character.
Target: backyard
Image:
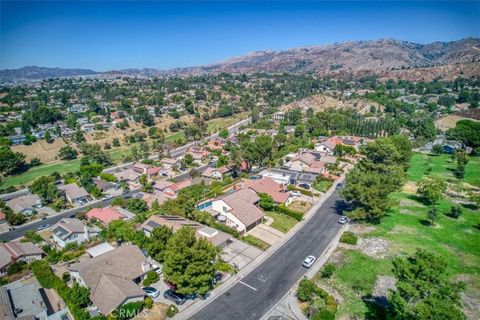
363	269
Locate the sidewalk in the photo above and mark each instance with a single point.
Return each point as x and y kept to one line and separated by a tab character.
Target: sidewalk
199	304
288	307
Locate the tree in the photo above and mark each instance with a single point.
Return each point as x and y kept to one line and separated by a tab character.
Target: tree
67	153
137	206
223	133
116	142
467	131
48	136
423	290
79	137
431	189
79	294
437	149
46	188
11	162
188	158
266	202
462	160
158	242
189	263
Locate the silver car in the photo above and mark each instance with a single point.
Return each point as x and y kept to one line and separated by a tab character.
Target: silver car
309	261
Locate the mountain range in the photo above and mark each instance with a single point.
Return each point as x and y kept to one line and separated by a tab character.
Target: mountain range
382	57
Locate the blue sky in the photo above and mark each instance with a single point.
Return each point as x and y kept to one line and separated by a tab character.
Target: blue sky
114	35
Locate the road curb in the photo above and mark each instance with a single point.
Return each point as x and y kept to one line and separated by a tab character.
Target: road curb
197	306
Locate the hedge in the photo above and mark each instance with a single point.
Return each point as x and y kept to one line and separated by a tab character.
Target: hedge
49	280
294	214
349	238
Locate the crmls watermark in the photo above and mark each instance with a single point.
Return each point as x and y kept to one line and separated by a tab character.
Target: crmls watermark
128	314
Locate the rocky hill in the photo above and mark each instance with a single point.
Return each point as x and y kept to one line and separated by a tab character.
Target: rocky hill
352	57
385	57
37	73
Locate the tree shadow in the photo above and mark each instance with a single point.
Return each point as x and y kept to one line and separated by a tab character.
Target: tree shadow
470	206
417	198
342	206
425	222
377	307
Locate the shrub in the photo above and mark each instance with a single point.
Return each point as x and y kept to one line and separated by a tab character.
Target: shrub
306	290
328	270
148	303
323	315
127	311
151	277
455	212
348	237
294	214
172	311
66	276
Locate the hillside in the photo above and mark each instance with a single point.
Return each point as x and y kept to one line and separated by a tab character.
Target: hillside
385	57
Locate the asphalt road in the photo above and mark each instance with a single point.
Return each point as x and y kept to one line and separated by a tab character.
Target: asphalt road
262	288
21	230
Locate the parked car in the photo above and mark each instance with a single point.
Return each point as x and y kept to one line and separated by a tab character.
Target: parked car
295	193
151	291
107	197
339	186
343	220
304	186
43	226
309	261
177	298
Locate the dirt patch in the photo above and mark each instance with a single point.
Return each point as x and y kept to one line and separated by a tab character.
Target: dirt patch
158	312
410	187
361	228
337	257
334	293
470	297
447	122
300	206
46	152
410	203
374	247
382	286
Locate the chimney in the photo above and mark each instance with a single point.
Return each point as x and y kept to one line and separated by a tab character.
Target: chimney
146	266
85	230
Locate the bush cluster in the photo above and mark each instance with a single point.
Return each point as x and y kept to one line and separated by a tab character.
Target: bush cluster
291	213
172	311
349	238
321	305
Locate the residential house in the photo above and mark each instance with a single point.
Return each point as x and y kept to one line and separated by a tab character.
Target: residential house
161	185
172	190
128	175
170	163
328	145
215	237
281	176
150	198
26	204
147	169
87	127
15	251
268	186
77	108
216	173
278	116
238	210
198	153
75	194
215	144
26	300
103	185
108	214
114	278
72	230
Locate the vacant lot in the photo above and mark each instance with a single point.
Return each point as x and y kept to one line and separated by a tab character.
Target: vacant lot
401	232
48	152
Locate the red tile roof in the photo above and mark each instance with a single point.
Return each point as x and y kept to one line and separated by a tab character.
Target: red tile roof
269	186
105	215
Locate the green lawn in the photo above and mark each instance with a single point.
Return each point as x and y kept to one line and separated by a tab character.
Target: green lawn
262	245
281	221
443	165
457	240
62	167
176	136
218	124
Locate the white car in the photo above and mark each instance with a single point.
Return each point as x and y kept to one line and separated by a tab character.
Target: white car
295	193
309	261
151	292
343	220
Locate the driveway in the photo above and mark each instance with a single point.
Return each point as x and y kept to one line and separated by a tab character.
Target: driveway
267	234
262	288
239	254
